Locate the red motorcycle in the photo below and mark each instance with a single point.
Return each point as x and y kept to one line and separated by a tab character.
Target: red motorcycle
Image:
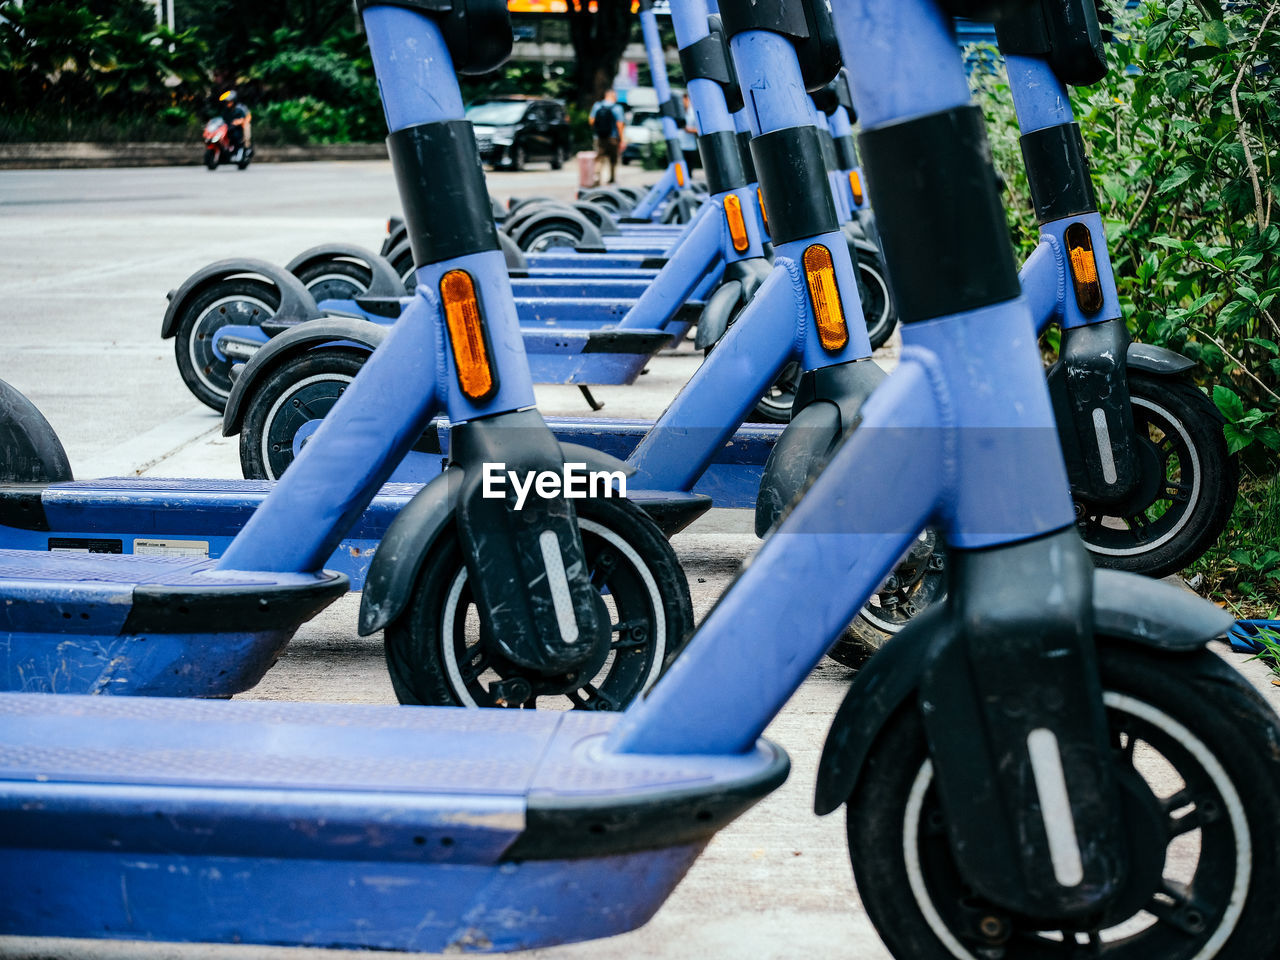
219	149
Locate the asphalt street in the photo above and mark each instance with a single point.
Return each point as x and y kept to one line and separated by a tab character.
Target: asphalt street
86	258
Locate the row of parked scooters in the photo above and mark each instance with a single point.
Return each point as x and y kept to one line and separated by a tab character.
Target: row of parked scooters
1004	758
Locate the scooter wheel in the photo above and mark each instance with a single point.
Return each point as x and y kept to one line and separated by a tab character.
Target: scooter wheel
335	279
1206	860
236	301
436	654
549	235
211	160
289	404
877	304
1187	492
775	406
918	581
402	263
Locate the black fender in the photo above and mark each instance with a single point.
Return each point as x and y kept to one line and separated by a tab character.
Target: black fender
853	233
1126	606
1088	377
588	235
716	315
296	302
384	282
1159	361
600	217
741	280
828	405
607	197
388	588
396	232
299	339
513	254
30	451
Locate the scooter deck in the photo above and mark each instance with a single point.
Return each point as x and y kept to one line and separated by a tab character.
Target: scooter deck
153	516
146	625
411	828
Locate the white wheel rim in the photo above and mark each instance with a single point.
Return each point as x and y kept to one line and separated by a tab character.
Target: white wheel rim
196	363
339	277
866	270
1185	738
265	448
1196	472
449	614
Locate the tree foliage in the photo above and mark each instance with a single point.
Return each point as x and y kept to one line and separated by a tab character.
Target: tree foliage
1183	137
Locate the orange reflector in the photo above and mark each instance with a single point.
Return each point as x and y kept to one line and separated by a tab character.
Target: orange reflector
737	226
820	273
1084	268
466	335
763	215
679	174
855	183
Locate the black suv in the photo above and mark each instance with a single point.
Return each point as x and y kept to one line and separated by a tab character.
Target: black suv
514	130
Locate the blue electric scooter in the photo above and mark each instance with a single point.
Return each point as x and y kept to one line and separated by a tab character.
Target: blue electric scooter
537	583
995	760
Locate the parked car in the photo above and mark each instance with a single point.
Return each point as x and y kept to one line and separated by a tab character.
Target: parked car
644	123
512	131
643	131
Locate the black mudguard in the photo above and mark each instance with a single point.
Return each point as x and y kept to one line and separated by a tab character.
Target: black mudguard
600	217
384	282
741	280
307	336
30	451
513	254
589	236
543	615
1126	606
1157	360
296	302
397	233
1089	381
394	571
827	406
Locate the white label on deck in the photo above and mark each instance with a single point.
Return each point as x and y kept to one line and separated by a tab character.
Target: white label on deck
171	548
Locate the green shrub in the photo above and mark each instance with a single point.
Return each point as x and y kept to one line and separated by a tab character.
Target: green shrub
1182	139
301	120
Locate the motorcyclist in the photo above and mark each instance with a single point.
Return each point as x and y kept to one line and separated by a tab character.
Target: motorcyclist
237	117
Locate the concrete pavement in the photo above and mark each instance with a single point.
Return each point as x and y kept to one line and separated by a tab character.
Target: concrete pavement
88	257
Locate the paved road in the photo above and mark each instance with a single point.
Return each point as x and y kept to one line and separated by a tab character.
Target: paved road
87	258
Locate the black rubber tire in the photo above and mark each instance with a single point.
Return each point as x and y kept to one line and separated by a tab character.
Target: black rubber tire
558	158
1189	428
517	158
560	228
244	164
211	160
775	406
1208	701
421	647
404	268
302	388
207	377
335	279
918	581
877	303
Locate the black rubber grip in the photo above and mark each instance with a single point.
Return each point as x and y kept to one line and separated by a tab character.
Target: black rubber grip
1058	173
793	179
945	240
721	161
442	191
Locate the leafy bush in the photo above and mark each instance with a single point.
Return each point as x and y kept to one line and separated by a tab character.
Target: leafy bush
1182	139
302	120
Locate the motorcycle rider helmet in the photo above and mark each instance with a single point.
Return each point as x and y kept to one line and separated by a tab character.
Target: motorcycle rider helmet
228	97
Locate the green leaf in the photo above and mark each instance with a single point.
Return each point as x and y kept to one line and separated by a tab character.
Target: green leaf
1176	179
1268	345
1236	441
1228	402
1216	34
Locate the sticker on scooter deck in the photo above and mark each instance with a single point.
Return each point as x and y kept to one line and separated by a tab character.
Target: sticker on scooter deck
171	548
85	545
